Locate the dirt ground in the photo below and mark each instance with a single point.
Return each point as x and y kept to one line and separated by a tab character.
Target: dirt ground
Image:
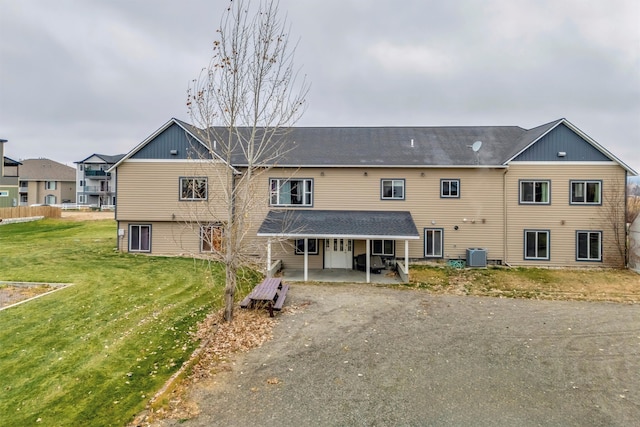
372	356
87	215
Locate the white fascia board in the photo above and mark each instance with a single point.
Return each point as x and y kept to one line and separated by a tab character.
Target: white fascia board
560	163
216	161
337	236
360	166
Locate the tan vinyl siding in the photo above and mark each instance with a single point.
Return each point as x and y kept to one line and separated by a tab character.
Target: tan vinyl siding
167	238
150	191
481	199
560	217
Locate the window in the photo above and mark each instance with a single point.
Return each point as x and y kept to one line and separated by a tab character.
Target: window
50	185
210	238
450	188
392	189
24	198
193	188
383	247
50	199
589	245
139	238
81	183
4	194
536	244
82	199
433	242
312	246
291	192
586	192
534	192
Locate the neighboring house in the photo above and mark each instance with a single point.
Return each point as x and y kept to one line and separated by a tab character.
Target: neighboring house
514	196
634	245
8	179
44	181
96	186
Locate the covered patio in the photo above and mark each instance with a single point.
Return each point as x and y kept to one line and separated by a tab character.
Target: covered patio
346	225
341	275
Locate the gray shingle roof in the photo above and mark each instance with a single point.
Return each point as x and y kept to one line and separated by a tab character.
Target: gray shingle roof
108	158
327	223
45	170
397	146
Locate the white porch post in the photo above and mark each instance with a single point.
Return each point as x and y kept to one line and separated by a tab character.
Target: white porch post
406	256
306	259
368	263
269	258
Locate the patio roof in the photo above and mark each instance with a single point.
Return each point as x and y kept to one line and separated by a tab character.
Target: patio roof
299	223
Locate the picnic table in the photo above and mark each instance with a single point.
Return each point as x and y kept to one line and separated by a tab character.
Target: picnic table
270	294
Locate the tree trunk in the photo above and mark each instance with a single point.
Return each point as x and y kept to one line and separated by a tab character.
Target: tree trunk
229	292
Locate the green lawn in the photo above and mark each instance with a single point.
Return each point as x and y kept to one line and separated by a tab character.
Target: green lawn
94	353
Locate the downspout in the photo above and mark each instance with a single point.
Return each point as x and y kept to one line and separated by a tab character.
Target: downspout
505	226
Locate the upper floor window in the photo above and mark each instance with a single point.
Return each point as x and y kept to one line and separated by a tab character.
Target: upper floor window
450	188
193	188
535	192
589	245
383	247
392	189
50	185
291	192
586	192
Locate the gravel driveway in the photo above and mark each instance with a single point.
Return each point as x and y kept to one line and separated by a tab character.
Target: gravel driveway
370	356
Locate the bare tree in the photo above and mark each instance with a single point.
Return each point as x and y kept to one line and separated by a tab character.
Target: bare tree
242	106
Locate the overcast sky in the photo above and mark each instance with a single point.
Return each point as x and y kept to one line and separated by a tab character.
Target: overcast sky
79	77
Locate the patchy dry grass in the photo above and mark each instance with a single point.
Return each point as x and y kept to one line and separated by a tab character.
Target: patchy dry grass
539	283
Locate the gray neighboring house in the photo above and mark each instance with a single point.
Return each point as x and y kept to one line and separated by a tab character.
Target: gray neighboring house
44	181
8	179
95	186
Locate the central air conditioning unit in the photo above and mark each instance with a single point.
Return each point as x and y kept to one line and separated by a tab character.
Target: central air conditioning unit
476	257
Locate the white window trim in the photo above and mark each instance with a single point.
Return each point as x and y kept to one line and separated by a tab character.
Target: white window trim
203	230
277	192
534	181
537	258
585	182
393	182
588	233
193	178
393	247
311	252
441	232
449	196
140	234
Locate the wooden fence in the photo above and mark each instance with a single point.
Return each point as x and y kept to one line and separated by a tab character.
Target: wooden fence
29	211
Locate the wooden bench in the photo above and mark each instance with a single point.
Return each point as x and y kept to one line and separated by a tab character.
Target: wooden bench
270	293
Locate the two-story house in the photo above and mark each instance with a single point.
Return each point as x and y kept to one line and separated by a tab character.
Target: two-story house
8	179
513	196
44	181
95	186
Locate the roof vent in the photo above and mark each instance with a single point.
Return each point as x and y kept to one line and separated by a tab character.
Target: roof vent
562	154
174	152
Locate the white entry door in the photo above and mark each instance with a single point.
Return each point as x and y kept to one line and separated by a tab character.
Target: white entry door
338	253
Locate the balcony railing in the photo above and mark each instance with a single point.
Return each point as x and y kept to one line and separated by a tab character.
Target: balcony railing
97	173
96	189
